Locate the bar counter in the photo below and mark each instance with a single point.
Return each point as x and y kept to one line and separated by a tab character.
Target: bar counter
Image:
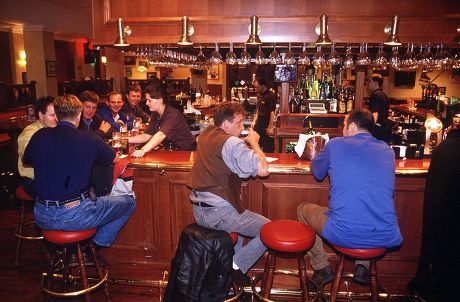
146	245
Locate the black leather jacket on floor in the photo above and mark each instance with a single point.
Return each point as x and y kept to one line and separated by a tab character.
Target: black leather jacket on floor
202	267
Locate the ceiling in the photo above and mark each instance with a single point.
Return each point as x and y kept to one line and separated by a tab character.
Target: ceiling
68	18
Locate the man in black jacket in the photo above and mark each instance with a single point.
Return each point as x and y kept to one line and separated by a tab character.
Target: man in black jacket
89	120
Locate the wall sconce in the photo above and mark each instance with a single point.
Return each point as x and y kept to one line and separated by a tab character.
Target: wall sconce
392	32
103	59
122	32
323	38
254	30
187	31
22	58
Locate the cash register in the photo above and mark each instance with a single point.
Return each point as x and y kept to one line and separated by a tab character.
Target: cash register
317	108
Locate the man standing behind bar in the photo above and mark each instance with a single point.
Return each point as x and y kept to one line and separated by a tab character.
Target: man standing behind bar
62	158
222	159
131	107
379	106
265	115
361	211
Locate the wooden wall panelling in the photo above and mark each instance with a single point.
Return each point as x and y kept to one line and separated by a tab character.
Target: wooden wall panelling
146	245
281	21
181	212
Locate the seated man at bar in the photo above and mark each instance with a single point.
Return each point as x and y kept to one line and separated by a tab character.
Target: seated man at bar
113	114
46	117
89	120
62	158
167	125
132	107
361	211
222	159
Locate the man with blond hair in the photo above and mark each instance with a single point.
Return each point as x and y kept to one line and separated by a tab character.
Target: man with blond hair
63	158
44	112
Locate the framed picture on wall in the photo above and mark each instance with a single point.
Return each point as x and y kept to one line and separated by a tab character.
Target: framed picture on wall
213	72
442	90
129	60
50	68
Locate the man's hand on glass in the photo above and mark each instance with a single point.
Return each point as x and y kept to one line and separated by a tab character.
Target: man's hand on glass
105	126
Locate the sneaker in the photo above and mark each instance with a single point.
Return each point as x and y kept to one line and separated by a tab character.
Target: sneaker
320	277
361	275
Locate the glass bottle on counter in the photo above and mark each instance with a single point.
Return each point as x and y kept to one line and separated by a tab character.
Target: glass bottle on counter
310	129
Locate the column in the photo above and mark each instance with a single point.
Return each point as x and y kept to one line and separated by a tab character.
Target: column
41	60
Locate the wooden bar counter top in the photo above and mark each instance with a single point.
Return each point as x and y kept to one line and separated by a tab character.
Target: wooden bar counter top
147	244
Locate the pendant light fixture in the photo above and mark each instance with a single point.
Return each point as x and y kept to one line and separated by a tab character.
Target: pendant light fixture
323	37
122	32
254	31
187	31
392	32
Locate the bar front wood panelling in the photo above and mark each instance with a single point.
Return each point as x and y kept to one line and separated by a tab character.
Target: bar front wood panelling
146	245
281	21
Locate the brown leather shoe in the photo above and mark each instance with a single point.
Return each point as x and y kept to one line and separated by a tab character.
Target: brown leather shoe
320	277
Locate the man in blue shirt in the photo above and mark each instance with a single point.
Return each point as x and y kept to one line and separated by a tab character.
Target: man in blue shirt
62	158
361	211
112	113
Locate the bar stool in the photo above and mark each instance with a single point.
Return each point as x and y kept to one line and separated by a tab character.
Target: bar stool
285	236
361	254
237	292
22	196
65	239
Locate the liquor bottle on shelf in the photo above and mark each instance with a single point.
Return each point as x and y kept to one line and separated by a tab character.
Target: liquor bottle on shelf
333	105
342	101
350	100
293	105
322	88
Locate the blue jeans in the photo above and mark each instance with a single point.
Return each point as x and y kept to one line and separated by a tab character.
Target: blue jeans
108	214
246	224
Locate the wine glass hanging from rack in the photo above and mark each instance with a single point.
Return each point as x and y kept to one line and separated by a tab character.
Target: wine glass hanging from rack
408	59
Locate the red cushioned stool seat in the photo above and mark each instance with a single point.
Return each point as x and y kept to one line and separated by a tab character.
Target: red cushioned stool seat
234	237
22	195
66	237
62	240
361	253
285	236
371	254
20	234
